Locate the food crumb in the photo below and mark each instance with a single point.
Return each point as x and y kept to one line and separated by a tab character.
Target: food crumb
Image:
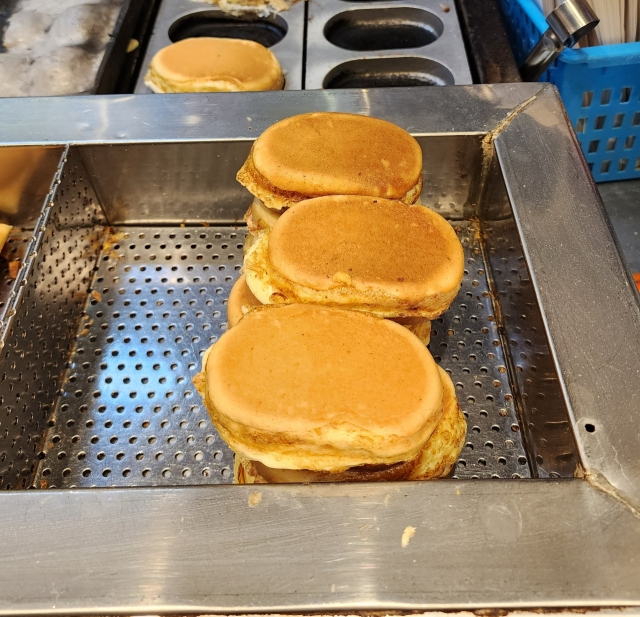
96	295
255	497
407	534
14	268
387	499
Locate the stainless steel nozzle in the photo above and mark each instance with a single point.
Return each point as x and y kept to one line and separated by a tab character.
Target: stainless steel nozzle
568	23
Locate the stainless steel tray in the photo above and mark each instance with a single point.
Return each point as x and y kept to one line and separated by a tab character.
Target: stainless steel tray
133	256
369	44
178	19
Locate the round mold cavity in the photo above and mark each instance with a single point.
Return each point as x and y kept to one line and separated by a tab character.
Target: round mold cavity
264	30
388	73
378	29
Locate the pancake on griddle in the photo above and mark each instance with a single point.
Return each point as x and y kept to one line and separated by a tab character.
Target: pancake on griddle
208	64
259	7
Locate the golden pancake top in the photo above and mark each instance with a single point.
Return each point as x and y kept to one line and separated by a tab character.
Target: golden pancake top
215	64
240	296
328	153
408	252
313	368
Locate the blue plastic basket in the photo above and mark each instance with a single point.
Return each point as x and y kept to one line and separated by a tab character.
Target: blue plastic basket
600	87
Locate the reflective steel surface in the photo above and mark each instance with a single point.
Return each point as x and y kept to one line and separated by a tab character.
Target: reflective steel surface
197	180
548	434
26	184
200	550
207	117
36	338
568	23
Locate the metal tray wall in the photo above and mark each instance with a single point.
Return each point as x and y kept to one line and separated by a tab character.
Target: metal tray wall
43	321
23	190
129	327
289	51
548	432
198	182
23	194
199	186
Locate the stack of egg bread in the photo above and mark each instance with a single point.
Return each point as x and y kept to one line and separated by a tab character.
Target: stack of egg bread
324	374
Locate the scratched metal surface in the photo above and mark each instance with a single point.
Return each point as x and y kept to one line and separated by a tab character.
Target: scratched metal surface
317	548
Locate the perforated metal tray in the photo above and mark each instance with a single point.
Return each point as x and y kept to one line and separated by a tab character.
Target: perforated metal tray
147	303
